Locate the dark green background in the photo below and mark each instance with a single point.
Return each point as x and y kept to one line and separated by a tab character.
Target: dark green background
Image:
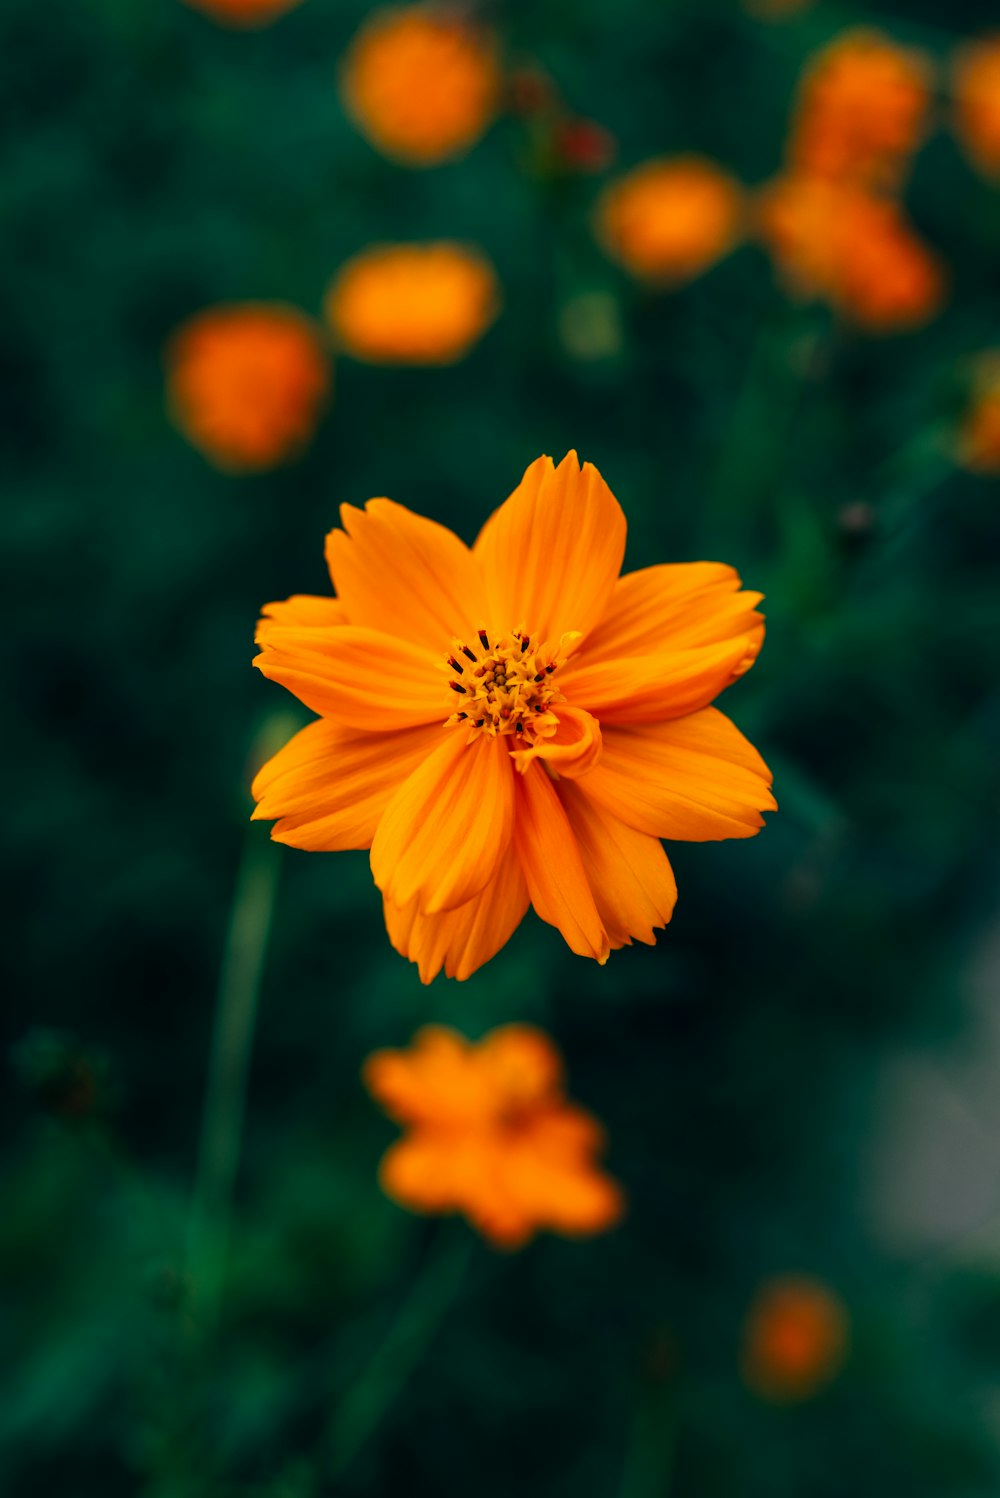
153	164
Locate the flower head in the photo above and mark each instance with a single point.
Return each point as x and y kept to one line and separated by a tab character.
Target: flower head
670	219
421	85
838	241
861	109
512	723
245	383
979	437
491	1135
413	303
976	91
794	1340
244	13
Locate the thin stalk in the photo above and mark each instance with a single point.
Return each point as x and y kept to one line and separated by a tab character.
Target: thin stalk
647	1469
229	1063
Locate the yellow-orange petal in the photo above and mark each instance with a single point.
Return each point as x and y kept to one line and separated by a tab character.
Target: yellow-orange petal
672	606
399	572
447	828
628	872
696	779
669	219
651	688
304	610
437	1080
553	867
573	749
330	785
461	940
521	1064
360	677
552	551
538	1183
433	1170
976	93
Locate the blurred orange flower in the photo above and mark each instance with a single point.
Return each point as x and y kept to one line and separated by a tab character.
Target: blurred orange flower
976	86
492	1136
861	107
669	219
856	250
245	383
244	13
421	85
513	723
979	437
413	303
794	1340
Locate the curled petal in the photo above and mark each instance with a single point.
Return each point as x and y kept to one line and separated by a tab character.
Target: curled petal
573	749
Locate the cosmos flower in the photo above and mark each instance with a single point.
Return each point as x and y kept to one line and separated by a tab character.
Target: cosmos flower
491	1135
245	384
670	219
421	85
413	303
976	90
794	1339
856	250
861	109
245	14
979	436
512	723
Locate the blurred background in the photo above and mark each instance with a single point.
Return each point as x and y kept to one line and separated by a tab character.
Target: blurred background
800	1081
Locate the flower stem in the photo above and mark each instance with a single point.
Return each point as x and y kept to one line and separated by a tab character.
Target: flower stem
225	1098
647	1469
391	1365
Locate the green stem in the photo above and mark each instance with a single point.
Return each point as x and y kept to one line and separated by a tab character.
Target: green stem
647	1469
225	1099
381	1381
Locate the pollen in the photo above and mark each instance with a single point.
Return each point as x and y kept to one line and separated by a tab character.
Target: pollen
507	685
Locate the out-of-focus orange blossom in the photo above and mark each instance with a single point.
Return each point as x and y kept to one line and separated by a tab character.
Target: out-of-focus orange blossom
979	436
245	383
246	14
976	90
413	303
795	1339
492	1136
669	219
861	109
421	85
856	250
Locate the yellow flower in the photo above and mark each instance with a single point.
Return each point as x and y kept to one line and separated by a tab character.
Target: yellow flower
979	437
794	1340
413	303
861	109
512	723
977	102
670	219
420	84
245	384
492	1136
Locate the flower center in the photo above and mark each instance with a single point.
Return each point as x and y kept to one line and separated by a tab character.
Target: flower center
506	686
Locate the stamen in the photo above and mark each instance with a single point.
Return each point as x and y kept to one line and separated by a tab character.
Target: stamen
484	639
525	642
508	686
470	653
453	663
457	686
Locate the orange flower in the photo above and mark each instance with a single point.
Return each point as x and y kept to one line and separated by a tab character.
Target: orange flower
245	384
668	220
979	438
421	86
794	1340
861	109
492	1136
977	102
840	242
244	13
413	304
514	723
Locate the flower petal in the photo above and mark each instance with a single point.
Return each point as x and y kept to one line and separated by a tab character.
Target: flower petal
461	940
649	688
434	1170
399	572
361	677
302	609
696	779
553	867
551	553
573	749
437	1080
628	872
330	785
673	606
447	828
